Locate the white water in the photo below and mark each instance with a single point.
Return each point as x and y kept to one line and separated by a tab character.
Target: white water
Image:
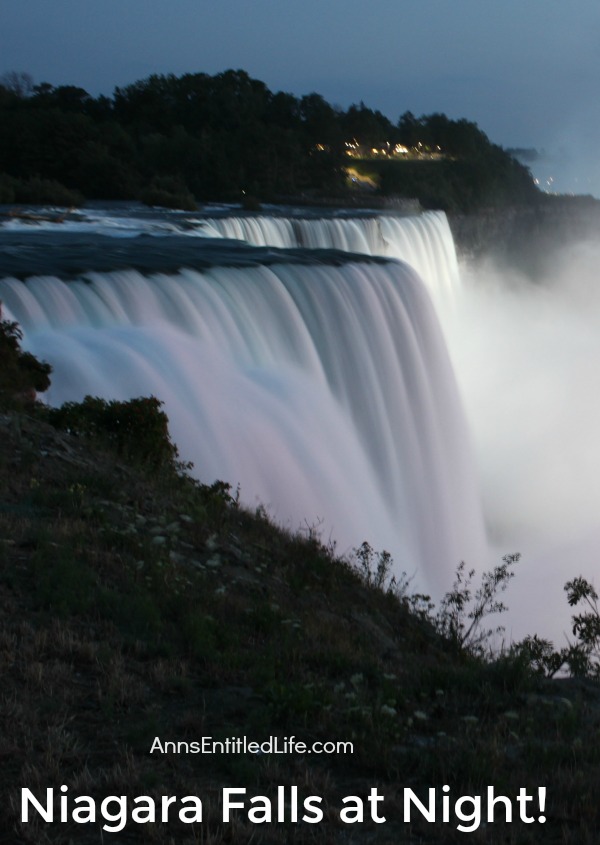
527	361
526	358
325	391
299	383
424	242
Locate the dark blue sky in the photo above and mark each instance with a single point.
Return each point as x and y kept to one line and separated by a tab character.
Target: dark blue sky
525	70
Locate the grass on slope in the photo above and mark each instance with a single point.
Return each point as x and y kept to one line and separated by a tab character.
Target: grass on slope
138	604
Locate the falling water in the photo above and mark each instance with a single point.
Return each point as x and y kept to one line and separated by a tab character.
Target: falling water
526	360
322	388
424	242
319	381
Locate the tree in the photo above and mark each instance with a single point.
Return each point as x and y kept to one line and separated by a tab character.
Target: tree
18	83
409	128
369	128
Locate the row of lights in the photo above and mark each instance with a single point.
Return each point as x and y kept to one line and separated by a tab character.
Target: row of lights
355	150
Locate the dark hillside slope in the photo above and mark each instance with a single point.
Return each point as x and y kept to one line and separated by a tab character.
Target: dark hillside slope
138	604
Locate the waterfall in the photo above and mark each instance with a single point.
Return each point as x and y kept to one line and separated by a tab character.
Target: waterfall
318	379
322	387
425	242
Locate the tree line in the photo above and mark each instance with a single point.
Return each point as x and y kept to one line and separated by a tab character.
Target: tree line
226	137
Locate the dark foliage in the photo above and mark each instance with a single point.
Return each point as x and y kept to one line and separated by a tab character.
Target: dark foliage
21	374
227	136
138	429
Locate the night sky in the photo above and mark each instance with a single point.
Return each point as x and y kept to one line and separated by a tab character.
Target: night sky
526	71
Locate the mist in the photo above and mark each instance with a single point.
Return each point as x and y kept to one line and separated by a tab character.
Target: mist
526	358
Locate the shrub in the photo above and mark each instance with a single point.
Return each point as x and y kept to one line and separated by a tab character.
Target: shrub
138	429
38	191
580	658
374	567
21	374
462	612
169	192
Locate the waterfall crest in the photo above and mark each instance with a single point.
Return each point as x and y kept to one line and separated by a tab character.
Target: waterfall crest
425	242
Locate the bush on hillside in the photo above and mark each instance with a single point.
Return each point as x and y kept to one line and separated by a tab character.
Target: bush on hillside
22	376
138	429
